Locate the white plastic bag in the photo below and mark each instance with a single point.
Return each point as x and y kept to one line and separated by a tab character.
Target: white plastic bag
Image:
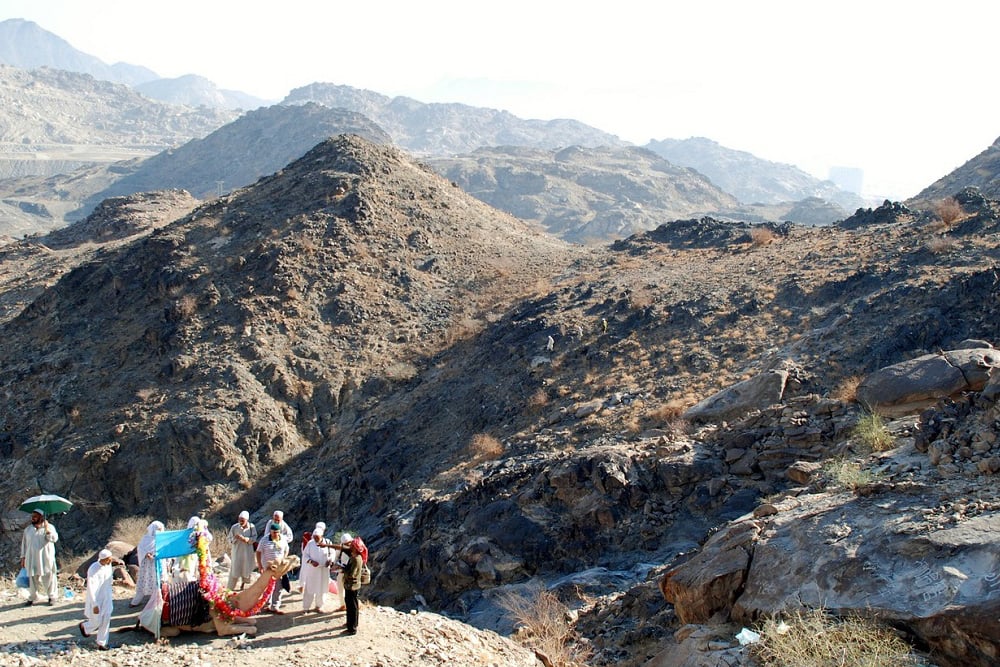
747	636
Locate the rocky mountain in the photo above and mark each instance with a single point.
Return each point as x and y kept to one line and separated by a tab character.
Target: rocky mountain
585	194
446	129
256	144
52	121
578	194
749	178
196	91
26	45
982	172
355	339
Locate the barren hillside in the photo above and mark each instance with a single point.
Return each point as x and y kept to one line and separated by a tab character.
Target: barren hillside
356	340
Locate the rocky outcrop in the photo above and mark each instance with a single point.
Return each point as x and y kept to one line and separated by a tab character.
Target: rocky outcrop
871	555
888	213
912	385
758	392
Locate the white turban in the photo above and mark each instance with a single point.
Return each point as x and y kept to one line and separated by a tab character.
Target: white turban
278	514
104	553
319	529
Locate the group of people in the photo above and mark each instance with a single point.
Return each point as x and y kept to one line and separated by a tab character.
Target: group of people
321	560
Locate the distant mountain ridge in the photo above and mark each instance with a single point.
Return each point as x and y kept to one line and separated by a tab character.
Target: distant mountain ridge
256	144
447	129
27	45
585	194
749	178
194	91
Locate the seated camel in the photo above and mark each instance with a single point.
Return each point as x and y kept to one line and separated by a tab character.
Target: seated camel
185	608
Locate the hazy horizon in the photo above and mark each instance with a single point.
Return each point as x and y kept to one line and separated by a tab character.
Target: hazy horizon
851	84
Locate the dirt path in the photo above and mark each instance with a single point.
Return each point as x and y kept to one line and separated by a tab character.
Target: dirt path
44	635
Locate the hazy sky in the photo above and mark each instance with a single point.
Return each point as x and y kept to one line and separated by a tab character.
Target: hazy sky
904	90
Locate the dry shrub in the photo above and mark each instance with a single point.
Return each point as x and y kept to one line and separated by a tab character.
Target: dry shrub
949	210
130	529
186	306
308	245
401	371
544	626
669	411
305	389
940	244
847	390
816	639
762	236
485	447
464	329
538	400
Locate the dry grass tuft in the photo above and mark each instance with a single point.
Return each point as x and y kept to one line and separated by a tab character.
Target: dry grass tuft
847	474
816	639
668	412
544	626
872	432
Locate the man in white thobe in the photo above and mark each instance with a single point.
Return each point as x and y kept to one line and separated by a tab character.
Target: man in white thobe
38	557
99	601
315	573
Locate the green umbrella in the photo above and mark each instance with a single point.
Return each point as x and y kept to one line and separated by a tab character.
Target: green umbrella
47	503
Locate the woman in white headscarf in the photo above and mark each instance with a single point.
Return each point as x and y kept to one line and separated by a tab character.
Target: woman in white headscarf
315	573
146	582
243	536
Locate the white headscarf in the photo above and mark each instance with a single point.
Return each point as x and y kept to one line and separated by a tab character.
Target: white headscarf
147	544
319	529
193	521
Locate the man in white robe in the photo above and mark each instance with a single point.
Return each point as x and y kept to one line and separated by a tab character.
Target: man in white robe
38	557
99	601
315	573
243	536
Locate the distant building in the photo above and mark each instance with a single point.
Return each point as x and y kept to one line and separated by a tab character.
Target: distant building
848	178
